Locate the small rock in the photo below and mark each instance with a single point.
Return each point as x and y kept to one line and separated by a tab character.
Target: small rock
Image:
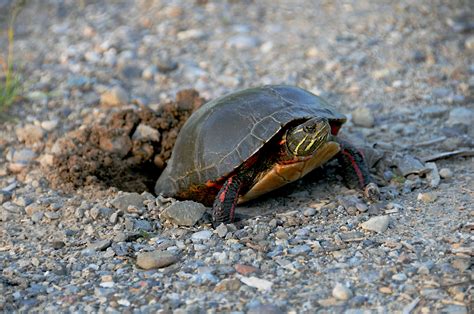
145	132
427	197
185	213
149	72
30	134
310	211
445	173
166	64
221	230
245	269
114	97
469	43
124	200
433	176
461	115
202	235
230	284
299	249
265	309
5	196
49	125
461	264
399	277
33	208
155	259
378	224
435	111
52	215
410	165
363	117
190	34
37	216
100	245
119	144
260	284
341	292
242	42
23	156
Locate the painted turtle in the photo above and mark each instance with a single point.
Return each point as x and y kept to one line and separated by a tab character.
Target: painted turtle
244	144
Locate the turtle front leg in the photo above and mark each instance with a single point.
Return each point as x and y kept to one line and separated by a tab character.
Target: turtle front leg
223	209
356	172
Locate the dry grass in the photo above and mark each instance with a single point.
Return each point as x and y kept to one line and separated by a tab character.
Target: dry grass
10	83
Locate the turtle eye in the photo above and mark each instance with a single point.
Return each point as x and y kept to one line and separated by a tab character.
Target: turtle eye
309	128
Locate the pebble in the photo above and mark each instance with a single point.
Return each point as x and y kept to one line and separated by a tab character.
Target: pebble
309	212
245	269
242	42
364	117
144	132
411	165
260	284
445	173
433	176
156	259
228	284
378	224
299	249
399	277
428	197
221	230
114	96
341	292
100	245
461	115
185	213
123	201
265	309
30	133
202	235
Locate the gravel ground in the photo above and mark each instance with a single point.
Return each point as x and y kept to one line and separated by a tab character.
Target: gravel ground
402	71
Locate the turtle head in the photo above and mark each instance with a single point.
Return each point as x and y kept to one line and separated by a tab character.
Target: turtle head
307	137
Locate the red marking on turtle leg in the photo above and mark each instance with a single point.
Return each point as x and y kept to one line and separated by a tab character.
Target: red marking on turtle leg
356	171
226	200
356	168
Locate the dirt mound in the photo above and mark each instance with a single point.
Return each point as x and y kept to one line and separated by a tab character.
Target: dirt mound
128	152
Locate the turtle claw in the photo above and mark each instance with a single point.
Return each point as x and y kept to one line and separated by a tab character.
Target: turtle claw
372	192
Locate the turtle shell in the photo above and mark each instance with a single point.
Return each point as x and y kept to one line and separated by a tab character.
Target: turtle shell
224	133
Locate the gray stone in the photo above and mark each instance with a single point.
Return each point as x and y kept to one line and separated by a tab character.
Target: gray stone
124	200
202	235
155	259
100	245
114	96
185	213
145	132
221	230
310	211
378	224
433	176
142	224
23	156
52	215
434	111
410	165
300	249
341	292
30	133
5	196
445	173
242	42
461	115
364	117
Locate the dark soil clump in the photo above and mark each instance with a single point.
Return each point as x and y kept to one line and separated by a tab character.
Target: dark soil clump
128	152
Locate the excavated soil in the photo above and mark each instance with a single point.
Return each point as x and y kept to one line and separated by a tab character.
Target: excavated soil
128	151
